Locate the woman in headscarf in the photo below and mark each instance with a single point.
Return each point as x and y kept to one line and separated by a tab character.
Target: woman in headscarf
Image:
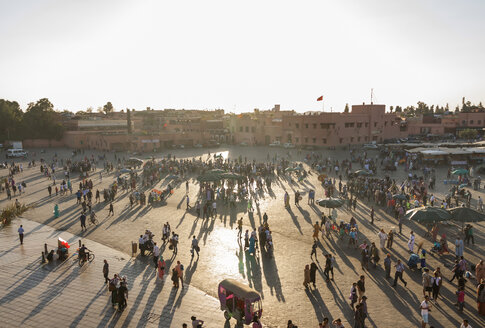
313	270
480	271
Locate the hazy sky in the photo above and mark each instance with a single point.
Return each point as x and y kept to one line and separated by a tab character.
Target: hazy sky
240	55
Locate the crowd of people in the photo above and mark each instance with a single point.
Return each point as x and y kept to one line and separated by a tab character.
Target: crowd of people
391	195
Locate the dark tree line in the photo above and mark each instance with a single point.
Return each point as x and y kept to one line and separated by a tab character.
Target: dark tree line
425	109
38	121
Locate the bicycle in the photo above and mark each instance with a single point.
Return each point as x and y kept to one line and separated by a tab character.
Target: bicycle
89	257
93	219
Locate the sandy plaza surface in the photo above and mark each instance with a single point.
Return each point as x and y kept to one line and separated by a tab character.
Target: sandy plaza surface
278	278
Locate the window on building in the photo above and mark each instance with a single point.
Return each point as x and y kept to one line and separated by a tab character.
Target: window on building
366	124
247	128
463	122
253	129
314	140
314	125
341	140
375	124
324	140
359	125
297	140
306	125
306	140
240	129
351	139
349	125
471	121
297	125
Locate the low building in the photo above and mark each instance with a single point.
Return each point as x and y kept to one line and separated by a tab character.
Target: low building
364	124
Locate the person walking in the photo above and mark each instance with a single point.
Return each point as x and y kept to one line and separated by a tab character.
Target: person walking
21	234
361	287
180	272
141	245
458	247
316	230
161	267
353	295
427	283
372	216
313	271
436	285
382	238
175	278
399	272
240	227
306	276
111	209
425	309
331	259
156	254
106	271
480	271
314	250
469	234
195	246
411	242
387	265
481	297
113	288
122	295
187	202
82	218
390	238
359	316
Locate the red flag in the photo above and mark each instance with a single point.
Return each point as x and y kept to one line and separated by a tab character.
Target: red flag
320	98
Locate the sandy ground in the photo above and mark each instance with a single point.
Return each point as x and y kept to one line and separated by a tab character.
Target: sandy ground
278	279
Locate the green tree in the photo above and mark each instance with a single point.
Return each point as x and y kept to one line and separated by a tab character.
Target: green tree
346	109
10	119
128	120
391	108
41	121
468	134
422	108
108	108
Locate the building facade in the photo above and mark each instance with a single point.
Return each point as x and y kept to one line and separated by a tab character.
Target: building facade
152	130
